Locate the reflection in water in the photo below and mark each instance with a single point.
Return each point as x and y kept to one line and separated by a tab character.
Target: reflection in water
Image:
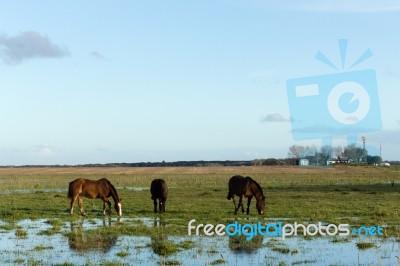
158	221
159	242
205	250
84	241
240	244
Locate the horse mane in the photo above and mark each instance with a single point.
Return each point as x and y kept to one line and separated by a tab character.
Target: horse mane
114	193
257	185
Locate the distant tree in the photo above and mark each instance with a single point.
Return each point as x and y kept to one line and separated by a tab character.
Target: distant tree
337	152
326	152
272	161
319	158
256	162
355	153
374	159
296	151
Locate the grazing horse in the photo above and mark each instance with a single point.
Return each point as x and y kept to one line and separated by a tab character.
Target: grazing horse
159	190
246	186
93	189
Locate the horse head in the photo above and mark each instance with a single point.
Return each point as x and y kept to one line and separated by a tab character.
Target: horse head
118	207
261	205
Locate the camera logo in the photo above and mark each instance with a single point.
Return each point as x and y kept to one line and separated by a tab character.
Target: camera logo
334	105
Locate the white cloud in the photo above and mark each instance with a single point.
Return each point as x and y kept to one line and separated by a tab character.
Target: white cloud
274	118
41	150
28	45
97	55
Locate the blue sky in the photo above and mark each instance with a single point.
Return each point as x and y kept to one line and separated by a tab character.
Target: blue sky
132	81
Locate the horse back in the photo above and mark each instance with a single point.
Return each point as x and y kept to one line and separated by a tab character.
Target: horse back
239	185
105	188
89	188
159	189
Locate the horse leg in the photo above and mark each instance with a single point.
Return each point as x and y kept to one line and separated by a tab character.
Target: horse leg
155	205
80	203
105	200
160	205
72	204
234	203
248	204
163	205
104	208
240	204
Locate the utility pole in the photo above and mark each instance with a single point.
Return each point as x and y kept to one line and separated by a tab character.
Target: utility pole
363	140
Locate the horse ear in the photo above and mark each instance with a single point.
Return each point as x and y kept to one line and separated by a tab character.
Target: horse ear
120	200
263	198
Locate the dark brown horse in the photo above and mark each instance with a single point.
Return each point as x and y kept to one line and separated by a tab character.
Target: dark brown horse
92	189
246	186
159	191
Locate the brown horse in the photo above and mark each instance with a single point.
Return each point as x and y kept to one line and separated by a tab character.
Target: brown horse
159	190
93	189
246	186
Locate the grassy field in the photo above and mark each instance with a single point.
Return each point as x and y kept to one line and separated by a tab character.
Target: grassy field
358	195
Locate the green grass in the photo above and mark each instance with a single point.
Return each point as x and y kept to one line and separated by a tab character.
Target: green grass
365	245
218	261
65	264
42	247
123	254
171	262
333	195
163	247
20	233
302	262
19	261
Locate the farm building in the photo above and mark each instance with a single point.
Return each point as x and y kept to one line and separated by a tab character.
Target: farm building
337	160
304	162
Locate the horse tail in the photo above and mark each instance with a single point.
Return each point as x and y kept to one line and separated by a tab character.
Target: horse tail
70	191
73	186
230	194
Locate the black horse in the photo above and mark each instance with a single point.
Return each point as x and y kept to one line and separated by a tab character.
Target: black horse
159	191
246	186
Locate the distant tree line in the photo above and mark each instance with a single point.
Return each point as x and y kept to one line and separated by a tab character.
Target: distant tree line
319	156
149	164
315	156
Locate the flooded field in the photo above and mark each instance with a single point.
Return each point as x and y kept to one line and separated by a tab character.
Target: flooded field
49	241
36	227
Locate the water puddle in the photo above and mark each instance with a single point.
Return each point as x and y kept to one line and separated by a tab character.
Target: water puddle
29	191
53	241
136	188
